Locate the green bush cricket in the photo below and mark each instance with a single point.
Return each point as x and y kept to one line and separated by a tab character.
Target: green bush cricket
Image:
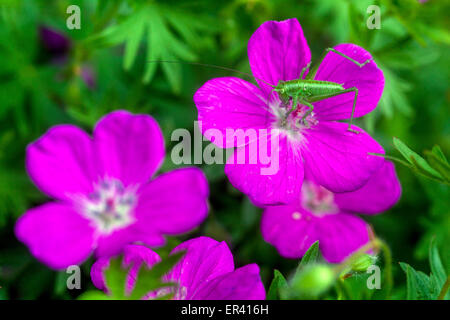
304	91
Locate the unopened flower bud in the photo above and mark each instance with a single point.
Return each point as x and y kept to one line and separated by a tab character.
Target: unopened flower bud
363	262
313	280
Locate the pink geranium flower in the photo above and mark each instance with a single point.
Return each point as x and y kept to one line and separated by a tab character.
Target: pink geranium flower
104	197
319	214
205	272
323	149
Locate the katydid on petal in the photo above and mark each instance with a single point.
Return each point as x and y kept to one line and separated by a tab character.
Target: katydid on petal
303	91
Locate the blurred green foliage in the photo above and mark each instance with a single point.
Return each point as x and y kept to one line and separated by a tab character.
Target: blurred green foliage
117	39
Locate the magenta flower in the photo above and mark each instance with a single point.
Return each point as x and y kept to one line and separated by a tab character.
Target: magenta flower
329	217
103	196
323	149
206	272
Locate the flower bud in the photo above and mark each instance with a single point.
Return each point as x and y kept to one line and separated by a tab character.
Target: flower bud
363	262
313	280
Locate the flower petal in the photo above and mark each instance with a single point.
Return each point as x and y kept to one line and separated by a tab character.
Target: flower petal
204	260
113	243
230	104
97	273
175	202
242	284
380	193
278	51
61	162
130	147
369	80
279	181
341	235
56	235
338	159
290	229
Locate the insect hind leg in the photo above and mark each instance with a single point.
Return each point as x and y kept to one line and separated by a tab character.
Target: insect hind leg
348	58
355	90
310	110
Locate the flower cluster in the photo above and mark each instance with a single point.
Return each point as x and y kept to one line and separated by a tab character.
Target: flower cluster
206	272
324	149
108	201
326	172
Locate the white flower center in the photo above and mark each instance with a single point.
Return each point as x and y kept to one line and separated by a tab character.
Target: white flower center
110	206
317	199
292	122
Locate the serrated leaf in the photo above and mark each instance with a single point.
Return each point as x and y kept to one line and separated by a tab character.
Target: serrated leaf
417	284
411	287
310	256
278	282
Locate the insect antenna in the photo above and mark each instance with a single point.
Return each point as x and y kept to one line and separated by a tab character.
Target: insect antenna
211	66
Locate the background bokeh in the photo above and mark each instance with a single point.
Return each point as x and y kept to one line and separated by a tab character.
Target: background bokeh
51	75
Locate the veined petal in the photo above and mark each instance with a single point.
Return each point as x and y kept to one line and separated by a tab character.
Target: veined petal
113	243
61	162
204	260
175	202
369	80
290	229
242	284
130	147
56	235
380	193
338	159
276	178
341	235
278	51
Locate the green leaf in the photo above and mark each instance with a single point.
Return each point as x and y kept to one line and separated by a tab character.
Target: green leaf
310	256
115	278
151	279
278	282
417	284
437	269
437	163
133	40
438	152
415	160
94	295
411	286
166	37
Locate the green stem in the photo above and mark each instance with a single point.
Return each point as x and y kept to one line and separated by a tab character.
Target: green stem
388	279
444	289
391	158
342	290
